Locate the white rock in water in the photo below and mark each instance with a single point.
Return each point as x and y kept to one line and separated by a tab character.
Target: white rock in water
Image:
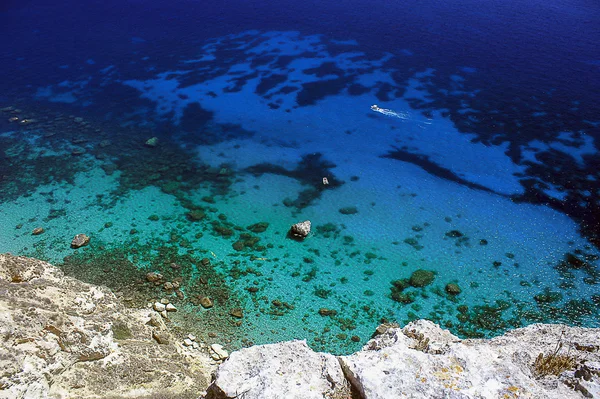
217	352
301	229
170	308
80	240
159	307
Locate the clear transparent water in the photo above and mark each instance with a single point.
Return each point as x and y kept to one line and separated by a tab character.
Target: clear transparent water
477	169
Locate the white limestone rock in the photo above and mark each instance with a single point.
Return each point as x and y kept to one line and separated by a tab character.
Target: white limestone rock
159	307
217	352
390	365
418	361
287	370
300	230
62	338
170	308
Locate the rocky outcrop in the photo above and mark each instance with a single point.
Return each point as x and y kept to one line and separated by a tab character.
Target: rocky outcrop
418	361
61	338
288	370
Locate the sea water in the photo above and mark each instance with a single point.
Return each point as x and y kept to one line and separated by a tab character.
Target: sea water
186	140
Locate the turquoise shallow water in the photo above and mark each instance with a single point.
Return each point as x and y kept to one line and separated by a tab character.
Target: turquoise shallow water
420	219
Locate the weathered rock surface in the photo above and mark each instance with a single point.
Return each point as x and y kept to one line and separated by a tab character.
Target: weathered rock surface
300	230
288	370
61	338
80	240
419	361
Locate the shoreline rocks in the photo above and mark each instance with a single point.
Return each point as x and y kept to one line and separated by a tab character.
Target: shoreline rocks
418	361
62	338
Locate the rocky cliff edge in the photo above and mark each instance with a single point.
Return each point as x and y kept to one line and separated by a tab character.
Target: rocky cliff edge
421	361
61	338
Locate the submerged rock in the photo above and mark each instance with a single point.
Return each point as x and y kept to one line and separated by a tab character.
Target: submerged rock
206	302
453	289
80	240
152	142
37	231
300	230
421	278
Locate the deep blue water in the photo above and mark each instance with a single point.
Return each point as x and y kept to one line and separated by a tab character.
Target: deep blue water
500	99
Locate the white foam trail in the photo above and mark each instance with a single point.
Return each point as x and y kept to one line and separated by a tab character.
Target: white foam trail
405	116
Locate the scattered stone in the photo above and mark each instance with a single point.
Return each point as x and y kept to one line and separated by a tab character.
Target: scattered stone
160	337
168	286
195	345
164	314
187	342
37	231
301	230
217	352
170	308
164	301
152	142
327	312
206	302
78	151
191	337
205	261
483	241
355	338
237	313
153	277
80	240
453	289
104	143
159	307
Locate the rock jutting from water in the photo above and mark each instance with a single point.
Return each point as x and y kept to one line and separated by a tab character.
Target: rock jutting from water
300	230
80	240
